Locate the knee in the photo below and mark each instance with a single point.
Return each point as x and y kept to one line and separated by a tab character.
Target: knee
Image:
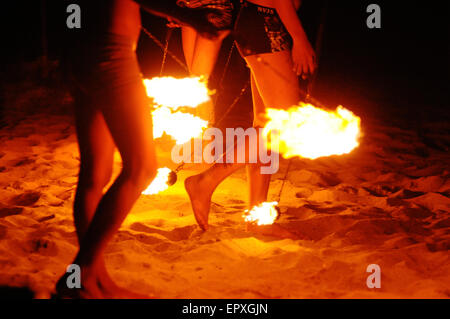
95	178
140	171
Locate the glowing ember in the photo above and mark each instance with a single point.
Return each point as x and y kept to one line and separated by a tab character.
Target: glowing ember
180	126
168	95
160	182
264	214
174	93
311	132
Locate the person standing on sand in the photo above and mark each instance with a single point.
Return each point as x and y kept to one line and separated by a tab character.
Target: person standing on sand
271	39
111	110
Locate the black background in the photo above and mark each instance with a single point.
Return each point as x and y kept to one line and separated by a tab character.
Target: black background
402	68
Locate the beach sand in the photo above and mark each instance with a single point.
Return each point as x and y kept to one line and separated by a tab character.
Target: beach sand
386	203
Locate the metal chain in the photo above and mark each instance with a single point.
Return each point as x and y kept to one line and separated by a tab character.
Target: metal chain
284	180
158	43
166	49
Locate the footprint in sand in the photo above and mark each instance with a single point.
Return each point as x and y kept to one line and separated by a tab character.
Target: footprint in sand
36	242
21	162
42	246
176	234
326	210
9	211
381	190
26	199
3	231
407	194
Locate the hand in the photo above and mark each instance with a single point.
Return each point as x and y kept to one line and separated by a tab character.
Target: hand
303	58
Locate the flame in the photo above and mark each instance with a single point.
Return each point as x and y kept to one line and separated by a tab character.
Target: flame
262	214
180	126
175	93
311	132
159	183
169	94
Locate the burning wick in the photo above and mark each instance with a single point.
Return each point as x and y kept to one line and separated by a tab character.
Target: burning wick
310	132
165	177
170	95
263	214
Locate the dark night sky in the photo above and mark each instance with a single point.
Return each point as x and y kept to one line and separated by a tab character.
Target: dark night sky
407	60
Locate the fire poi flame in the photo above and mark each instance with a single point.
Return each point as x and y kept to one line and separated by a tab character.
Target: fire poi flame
308	132
180	126
174	93
160	183
168	95
263	214
311	132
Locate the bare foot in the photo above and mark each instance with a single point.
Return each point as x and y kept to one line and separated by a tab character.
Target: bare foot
200	200
98	287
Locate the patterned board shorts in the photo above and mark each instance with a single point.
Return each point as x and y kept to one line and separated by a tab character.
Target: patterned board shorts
221	16
259	29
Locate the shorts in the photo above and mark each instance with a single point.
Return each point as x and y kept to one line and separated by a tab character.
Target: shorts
221	19
259	29
106	65
104	75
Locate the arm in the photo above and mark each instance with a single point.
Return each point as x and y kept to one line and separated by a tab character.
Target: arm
302	52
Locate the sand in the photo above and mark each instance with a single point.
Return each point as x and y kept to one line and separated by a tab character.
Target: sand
386	203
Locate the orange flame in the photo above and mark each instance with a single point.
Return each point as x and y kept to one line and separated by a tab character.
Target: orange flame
262	214
159	183
169	94
180	126
311	132
175	93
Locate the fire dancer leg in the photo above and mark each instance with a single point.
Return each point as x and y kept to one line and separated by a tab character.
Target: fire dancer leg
131	129
275	79
201	52
201	187
201	55
96	148
258	184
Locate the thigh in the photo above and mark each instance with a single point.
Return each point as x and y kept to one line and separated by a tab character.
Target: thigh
95	143
259	108
188	39
128	117
275	79
205	54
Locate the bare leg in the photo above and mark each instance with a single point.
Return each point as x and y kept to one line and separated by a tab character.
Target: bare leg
188	37
96	148
258	184
275	79
273	92
201	187
201	56
131	129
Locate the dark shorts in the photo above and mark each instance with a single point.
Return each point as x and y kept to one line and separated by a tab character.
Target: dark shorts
222	18
106	65
260	30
